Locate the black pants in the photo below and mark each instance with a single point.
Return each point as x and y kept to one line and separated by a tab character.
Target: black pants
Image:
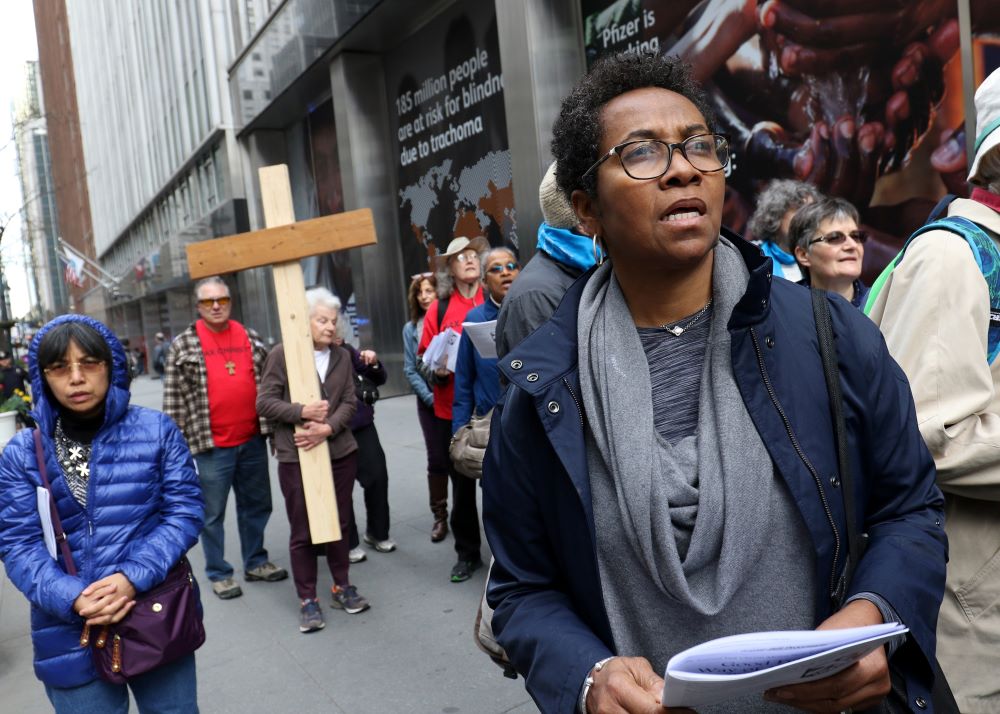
464	511
373	475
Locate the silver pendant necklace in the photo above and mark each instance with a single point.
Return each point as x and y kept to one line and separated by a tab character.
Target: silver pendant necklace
678	330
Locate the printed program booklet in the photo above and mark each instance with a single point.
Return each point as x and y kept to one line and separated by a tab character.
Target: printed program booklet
730	667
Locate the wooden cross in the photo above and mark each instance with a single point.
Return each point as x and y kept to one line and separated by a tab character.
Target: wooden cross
281	245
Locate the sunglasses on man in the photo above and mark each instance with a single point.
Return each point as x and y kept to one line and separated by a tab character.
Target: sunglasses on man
209	302
838	237
500	267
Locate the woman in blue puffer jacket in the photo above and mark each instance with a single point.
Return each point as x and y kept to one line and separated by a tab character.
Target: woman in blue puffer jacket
127	494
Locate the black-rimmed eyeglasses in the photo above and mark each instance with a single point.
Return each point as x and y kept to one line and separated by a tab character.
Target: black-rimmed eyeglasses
645	159
838	237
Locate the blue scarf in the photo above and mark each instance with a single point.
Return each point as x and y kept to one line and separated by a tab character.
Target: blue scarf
776	254
566	247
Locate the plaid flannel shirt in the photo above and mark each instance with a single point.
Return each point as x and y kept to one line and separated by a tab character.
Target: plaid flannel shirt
185	387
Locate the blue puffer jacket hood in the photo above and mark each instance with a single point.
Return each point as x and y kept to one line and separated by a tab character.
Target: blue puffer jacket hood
116	403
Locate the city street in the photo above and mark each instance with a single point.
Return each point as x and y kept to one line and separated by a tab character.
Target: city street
412	651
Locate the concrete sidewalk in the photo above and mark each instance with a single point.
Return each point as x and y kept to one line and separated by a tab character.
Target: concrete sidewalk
412	651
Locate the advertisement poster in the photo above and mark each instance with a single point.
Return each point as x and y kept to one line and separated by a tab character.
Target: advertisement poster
446	107
863	100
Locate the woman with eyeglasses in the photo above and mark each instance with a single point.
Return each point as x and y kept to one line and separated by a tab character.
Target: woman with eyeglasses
477	381
125	487
662	469
459	290
830	248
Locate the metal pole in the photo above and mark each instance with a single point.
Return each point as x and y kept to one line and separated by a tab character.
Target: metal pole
968	77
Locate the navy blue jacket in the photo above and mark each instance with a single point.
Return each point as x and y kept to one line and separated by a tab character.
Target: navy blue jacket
477	381
537	508
144	511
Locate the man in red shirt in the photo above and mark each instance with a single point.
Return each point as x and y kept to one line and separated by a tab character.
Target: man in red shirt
459	290
210	390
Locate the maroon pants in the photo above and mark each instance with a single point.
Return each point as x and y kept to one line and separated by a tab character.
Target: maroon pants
301	551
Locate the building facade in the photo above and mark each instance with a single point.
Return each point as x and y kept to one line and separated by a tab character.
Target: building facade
62	121
437	115
39	216
159	152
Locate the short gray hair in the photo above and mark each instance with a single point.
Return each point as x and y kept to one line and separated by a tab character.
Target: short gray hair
807	219
486	256
989	170
211	280
780	197
321	297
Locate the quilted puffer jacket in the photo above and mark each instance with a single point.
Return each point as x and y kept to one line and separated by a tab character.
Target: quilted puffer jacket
144	511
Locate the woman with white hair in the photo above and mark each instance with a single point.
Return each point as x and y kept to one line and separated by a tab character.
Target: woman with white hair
328	419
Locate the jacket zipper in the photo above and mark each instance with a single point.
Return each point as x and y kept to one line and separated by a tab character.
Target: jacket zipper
579	409
804	458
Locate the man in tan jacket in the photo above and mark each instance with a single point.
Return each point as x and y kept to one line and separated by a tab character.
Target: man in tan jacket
935	314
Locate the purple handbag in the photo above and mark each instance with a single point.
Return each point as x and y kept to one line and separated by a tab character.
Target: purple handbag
164	625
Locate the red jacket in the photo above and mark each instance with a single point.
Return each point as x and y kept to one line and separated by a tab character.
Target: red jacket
454	316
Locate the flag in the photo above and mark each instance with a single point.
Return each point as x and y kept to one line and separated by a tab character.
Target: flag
73	270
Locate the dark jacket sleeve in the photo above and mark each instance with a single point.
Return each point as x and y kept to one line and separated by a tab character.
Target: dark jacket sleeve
464	401
270	393
534	618
521	316
374	372
907	548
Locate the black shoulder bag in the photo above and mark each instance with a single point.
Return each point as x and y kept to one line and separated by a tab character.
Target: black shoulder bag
942	699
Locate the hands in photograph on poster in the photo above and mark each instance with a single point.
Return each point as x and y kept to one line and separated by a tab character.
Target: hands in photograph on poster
840	94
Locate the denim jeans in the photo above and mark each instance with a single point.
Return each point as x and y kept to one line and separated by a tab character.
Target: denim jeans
170	689
244	469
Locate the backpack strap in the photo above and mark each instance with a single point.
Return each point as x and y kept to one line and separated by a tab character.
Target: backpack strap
987	258
442	309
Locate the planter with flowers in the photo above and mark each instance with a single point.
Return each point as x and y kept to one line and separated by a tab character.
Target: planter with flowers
12	410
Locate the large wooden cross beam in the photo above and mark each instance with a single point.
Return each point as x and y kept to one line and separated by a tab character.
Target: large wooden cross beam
281	245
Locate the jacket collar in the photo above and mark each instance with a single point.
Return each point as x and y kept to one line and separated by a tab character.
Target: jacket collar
549	353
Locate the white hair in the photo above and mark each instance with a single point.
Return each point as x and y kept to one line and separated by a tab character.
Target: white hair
211	280
317	297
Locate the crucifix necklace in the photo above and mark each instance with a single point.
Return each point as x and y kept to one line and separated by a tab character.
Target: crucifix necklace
228	354
677	330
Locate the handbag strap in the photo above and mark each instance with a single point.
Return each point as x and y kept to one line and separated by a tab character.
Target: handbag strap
56	521
831	371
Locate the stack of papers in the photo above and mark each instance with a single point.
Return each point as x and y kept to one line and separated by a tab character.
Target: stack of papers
731	667
442	352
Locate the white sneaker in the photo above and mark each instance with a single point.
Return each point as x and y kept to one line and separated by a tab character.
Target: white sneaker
356	555
382	546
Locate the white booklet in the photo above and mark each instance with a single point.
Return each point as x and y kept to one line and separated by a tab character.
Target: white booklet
730	667
45	516
483	336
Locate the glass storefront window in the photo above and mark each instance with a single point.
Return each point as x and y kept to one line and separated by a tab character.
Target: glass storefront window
295	36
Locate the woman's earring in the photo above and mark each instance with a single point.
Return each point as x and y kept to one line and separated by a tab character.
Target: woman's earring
598	252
